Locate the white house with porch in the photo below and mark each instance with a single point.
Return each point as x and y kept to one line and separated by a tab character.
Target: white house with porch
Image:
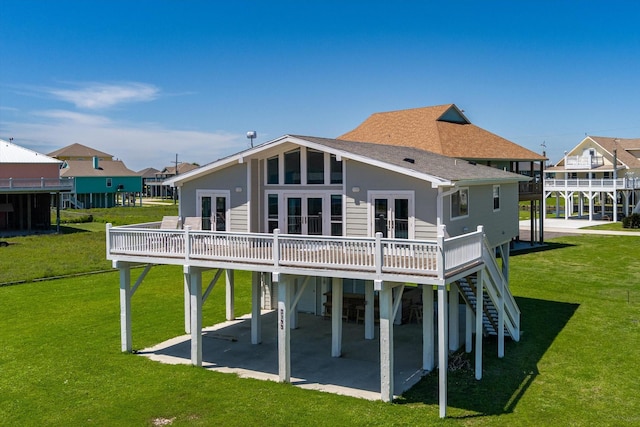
597	172
315	219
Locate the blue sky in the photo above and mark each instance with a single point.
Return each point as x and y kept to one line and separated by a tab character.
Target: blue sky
144	80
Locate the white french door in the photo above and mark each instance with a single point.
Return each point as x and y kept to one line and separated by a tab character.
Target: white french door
392	214
304	214
314	213
213	207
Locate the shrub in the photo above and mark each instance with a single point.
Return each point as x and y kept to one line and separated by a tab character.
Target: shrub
631	221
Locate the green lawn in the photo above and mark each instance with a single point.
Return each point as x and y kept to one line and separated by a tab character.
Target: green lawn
576	363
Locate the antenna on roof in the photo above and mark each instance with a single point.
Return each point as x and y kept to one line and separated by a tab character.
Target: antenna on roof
252	134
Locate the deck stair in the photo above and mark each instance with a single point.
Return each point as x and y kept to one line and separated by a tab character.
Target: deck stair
496	294
69	200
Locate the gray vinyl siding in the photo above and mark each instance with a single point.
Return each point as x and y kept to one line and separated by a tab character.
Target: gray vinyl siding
500	226
230	178
370	178
356	215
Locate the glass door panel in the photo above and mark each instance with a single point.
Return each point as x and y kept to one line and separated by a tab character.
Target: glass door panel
221	214
205	206
401	219
294	215
314	216
381	216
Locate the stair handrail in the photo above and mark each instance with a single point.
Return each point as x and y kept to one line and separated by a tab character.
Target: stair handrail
512	311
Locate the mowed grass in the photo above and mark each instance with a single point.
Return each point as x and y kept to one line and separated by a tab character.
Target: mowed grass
576	363
77	249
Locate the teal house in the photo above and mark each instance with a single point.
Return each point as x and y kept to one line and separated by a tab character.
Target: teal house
100	181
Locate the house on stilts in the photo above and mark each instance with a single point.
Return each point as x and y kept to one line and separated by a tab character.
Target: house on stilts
597	179
312	216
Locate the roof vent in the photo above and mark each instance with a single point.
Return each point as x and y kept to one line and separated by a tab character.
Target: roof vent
409	160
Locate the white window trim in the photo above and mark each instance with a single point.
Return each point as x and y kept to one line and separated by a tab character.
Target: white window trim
493	198
455	218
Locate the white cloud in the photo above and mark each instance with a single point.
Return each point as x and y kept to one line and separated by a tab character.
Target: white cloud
139	146
100	95
70	116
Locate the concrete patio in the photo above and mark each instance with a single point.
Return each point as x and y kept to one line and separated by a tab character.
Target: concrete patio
227	348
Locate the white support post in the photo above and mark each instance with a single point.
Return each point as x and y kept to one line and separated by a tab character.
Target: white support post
336	316
230	294
468	330
256	318
386	342
284	330
187	304
397	304
125	306
428	336
443	352
479	318
295	288
369	311
454	318
195	279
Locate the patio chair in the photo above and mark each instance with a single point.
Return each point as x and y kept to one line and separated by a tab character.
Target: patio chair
170	223
195	222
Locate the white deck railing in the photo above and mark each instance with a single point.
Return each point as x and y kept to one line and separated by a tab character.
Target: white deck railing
602	184
376	255
582	162
20	184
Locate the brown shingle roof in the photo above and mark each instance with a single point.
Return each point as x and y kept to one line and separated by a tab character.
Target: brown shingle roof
106	169
75	151
182	168
623	145
442	129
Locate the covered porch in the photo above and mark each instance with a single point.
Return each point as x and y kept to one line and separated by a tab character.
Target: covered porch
288	261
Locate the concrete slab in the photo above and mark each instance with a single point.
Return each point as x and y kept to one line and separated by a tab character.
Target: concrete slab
227	348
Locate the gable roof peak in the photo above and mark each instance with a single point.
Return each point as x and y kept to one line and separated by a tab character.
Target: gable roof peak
79	150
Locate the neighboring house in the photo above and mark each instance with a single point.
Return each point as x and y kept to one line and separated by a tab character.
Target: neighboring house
155	186
445	130
316	218
27	181
597	172
99	181
148	177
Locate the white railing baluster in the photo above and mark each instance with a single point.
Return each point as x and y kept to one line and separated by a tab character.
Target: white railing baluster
376	255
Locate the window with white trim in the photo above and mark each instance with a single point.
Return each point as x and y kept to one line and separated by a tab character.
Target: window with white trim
292	170
272	212
336	170
273	170
315	167
496	197
336	214
460	203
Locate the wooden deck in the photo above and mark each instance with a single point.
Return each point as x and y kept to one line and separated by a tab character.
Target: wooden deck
419	261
